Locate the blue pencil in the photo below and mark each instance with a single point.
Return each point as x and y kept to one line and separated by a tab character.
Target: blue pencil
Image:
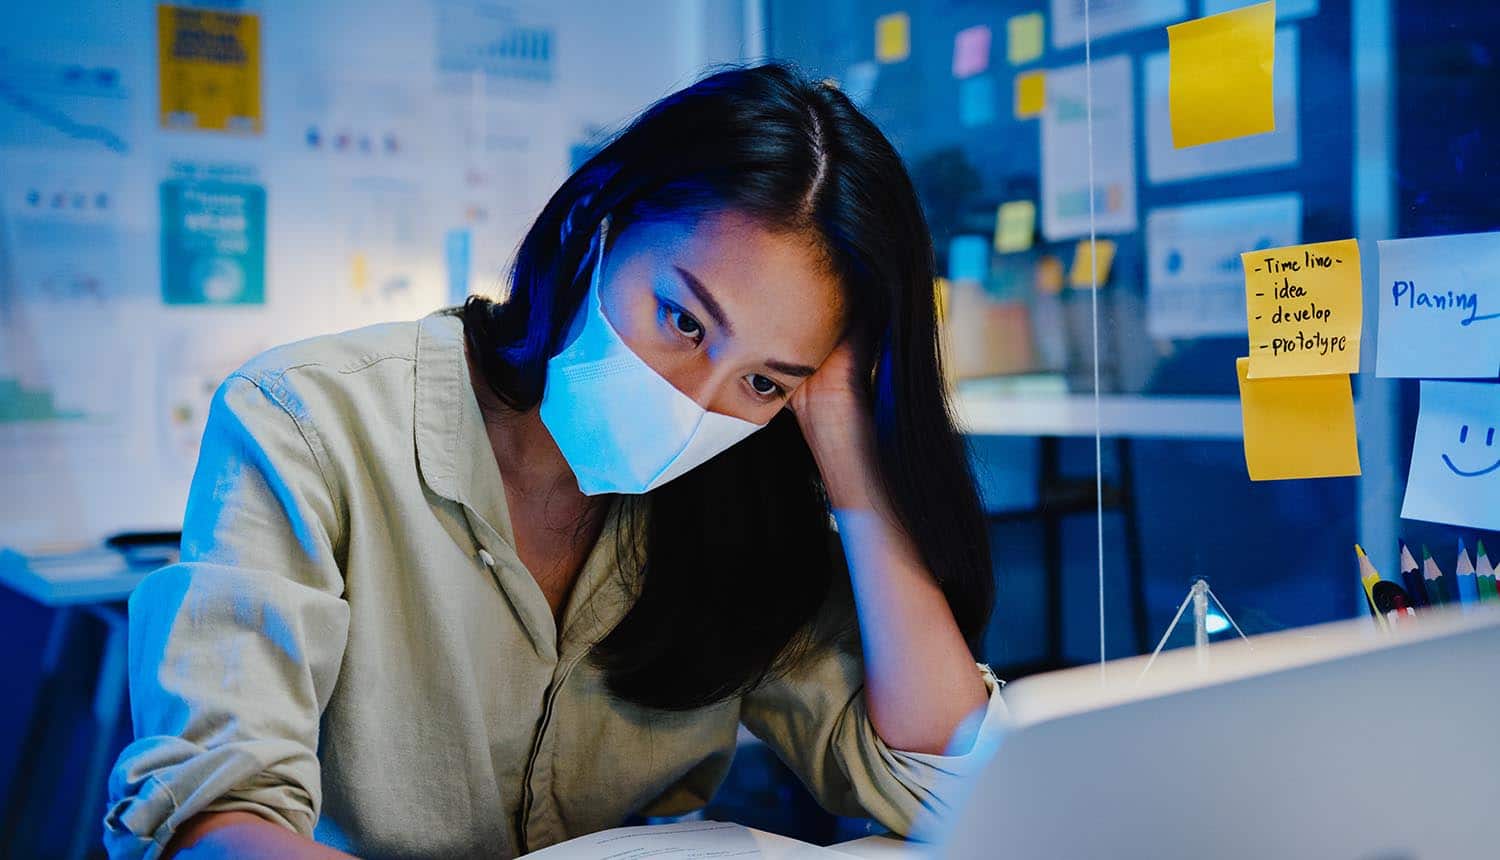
1468	583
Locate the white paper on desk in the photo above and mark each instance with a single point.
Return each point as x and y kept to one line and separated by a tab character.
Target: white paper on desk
1195	284
685	840
1455	457
1439	307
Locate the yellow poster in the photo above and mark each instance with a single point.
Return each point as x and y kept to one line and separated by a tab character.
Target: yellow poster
1219	86
209	67
1304	306
1299	427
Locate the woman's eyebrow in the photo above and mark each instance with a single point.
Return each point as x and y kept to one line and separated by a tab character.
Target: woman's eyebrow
790	369
706	298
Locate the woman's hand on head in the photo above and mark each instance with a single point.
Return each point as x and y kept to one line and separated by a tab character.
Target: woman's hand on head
838	390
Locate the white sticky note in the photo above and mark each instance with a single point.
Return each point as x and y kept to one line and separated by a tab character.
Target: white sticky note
1455	457
1439	307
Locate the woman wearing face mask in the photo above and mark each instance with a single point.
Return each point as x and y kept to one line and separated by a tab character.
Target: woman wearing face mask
480	583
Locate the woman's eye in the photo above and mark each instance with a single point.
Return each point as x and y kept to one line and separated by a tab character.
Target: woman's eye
684	323
764	386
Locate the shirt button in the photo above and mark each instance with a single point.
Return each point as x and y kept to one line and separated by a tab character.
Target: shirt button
484	556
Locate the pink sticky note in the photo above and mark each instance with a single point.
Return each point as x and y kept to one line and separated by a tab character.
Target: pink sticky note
971	51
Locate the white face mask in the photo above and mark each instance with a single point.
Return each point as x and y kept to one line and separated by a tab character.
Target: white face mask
622	427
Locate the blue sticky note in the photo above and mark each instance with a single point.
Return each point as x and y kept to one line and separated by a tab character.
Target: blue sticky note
976	101
1455	458
1439	307
968	258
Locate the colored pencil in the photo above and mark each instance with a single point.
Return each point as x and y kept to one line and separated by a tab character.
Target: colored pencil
1463	570
1488	589
1412	576
1438	584
1368	576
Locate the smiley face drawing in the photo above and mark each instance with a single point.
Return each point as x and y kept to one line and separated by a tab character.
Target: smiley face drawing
1488	452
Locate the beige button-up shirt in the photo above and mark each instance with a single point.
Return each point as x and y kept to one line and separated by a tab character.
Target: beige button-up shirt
351	647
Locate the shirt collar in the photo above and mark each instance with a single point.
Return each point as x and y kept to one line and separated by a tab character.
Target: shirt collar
457	462
453	450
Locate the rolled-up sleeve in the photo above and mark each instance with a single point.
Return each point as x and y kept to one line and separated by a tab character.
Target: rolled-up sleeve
234	651
815	719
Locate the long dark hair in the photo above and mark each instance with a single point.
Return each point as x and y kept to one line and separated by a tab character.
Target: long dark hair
738	557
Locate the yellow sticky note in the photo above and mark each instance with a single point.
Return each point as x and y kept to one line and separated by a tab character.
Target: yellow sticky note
1091	266
1015	226
1298	427
1023	41
1031	94
940	297
1304	306
893	37
1220	82
1049	275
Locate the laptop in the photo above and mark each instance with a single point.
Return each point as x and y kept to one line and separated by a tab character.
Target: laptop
1333	741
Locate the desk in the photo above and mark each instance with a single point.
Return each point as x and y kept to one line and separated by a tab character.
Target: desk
92	582
983	411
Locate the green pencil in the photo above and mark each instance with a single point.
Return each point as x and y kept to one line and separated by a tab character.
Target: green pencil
1486	572
1438	585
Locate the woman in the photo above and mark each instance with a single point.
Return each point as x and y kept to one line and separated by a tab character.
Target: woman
481	583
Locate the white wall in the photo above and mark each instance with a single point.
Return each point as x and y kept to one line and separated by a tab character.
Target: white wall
82	315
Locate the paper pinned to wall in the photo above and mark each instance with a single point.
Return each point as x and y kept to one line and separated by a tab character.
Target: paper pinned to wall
1031	94
1221	75
1067	164
893	37
1455	456
208	63
1092	262
1439	307
1195	285
1298	427
1015	226
1305	306
1023	41
971	51
1285	9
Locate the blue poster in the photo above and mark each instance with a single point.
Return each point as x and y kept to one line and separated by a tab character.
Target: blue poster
213	243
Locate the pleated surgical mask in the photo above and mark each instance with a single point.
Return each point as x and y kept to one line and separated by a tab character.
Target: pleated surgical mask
621	426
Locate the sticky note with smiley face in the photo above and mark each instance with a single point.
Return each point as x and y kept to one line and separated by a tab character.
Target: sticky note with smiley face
1455	457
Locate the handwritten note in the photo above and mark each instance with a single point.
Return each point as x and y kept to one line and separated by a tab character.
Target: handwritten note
1439	307
1031	94
893	37
1298	427
1220	83
1015	226
1091	265
1024	38
1455	457
971	51
1304	307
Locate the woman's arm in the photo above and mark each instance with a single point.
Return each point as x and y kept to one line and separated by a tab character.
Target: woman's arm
244	835
920	680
